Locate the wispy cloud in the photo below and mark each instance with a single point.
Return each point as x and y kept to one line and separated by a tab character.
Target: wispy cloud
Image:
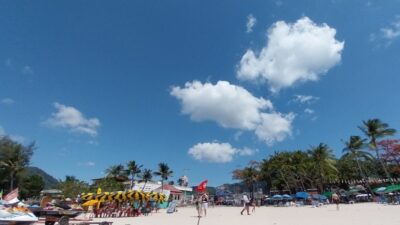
387	34
7	101
251	22
27	70
309	111
72	119
87	164
302	99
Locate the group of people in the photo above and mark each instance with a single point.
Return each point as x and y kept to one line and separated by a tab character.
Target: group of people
201	203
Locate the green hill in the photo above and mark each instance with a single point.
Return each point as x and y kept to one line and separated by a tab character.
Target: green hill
49	181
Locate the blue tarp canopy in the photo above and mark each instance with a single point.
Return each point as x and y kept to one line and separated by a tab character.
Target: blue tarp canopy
319	197
302	195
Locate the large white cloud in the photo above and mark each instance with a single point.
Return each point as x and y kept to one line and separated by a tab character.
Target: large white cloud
233	106
217	152
294	53
72	119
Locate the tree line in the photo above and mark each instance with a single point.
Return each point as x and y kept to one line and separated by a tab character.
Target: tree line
365	159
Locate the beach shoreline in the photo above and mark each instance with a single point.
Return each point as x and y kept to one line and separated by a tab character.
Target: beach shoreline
354	214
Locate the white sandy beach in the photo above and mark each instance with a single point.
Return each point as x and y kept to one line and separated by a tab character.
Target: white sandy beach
357	214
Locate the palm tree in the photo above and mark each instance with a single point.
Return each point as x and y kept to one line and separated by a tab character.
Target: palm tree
116	171
323	163
146	177
375	129
353	150
249	176
164	172
133	169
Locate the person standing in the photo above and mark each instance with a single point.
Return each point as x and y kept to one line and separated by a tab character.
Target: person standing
197	203
204	203
336	200
246	202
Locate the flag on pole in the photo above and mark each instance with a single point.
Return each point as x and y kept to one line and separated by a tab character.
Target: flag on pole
10	196
202	186
98	191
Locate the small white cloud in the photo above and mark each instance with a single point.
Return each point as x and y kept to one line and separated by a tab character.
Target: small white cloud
72	119
309	111
251	21
387	34
27	70
298	52
237	135
87	164
7	101
232	106
14	137
305	99
217	152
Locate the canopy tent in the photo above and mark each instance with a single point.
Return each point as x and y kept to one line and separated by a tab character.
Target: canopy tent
379	190
302	195
392	188
352	192
319	197
327	194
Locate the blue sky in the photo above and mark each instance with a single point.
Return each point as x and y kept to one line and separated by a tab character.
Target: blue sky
203	86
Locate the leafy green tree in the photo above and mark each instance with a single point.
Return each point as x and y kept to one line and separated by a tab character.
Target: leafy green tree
133	169
14	158
72	186
107	185
31	186
164	172
147	175
375	129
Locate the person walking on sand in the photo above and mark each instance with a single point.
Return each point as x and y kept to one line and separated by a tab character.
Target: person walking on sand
253	204
246	202
204	203
336	200
197	203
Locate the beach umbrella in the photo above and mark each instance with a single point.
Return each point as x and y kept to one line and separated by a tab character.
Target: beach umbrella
90	203
302	195
287	197
392	188
120	196
277	197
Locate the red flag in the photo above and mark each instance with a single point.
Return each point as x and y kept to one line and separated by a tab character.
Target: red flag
10	196
202	186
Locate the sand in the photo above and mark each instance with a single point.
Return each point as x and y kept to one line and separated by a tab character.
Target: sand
357	214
